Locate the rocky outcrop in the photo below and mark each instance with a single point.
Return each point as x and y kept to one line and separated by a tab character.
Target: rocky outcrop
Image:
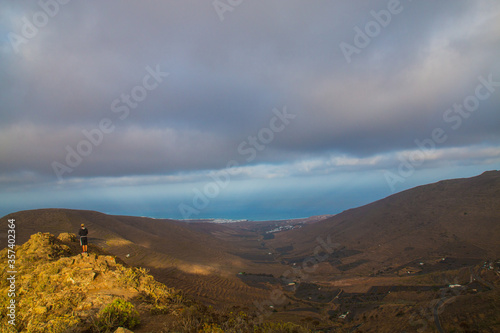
57	290
67	237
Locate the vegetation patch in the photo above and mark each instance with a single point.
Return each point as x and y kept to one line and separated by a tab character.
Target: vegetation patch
118	313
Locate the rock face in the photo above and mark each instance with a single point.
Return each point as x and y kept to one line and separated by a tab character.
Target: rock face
57	290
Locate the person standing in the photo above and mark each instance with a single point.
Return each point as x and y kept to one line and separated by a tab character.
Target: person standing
83	232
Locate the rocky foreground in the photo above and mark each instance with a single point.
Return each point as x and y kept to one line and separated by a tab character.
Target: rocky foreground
57	289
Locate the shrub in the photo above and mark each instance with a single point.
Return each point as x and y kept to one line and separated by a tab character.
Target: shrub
117	313
211	328
280	327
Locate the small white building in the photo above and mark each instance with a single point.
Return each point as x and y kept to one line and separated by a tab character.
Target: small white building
344	315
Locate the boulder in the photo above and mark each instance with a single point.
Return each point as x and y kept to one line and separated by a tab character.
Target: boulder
67	237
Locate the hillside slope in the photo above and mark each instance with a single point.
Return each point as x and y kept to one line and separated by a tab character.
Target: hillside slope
177	254
451	218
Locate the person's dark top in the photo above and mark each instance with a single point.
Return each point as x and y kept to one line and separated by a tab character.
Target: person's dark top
83	232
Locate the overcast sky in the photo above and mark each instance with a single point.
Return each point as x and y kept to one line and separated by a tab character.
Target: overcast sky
242	109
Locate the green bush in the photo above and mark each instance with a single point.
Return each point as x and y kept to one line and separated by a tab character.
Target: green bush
211	328
117	313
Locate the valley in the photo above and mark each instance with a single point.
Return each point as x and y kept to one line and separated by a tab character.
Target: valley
414	260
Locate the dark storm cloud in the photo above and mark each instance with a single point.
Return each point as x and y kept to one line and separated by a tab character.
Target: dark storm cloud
226	77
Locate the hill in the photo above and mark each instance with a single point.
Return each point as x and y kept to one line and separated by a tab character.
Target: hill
457	219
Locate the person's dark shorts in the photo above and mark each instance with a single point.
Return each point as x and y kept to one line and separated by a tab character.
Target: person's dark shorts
83	240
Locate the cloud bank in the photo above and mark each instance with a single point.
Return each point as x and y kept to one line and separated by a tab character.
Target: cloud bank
165	94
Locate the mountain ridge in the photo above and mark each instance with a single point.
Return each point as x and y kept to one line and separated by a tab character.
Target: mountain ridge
449	217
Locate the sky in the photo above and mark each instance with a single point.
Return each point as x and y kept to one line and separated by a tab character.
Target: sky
242	109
